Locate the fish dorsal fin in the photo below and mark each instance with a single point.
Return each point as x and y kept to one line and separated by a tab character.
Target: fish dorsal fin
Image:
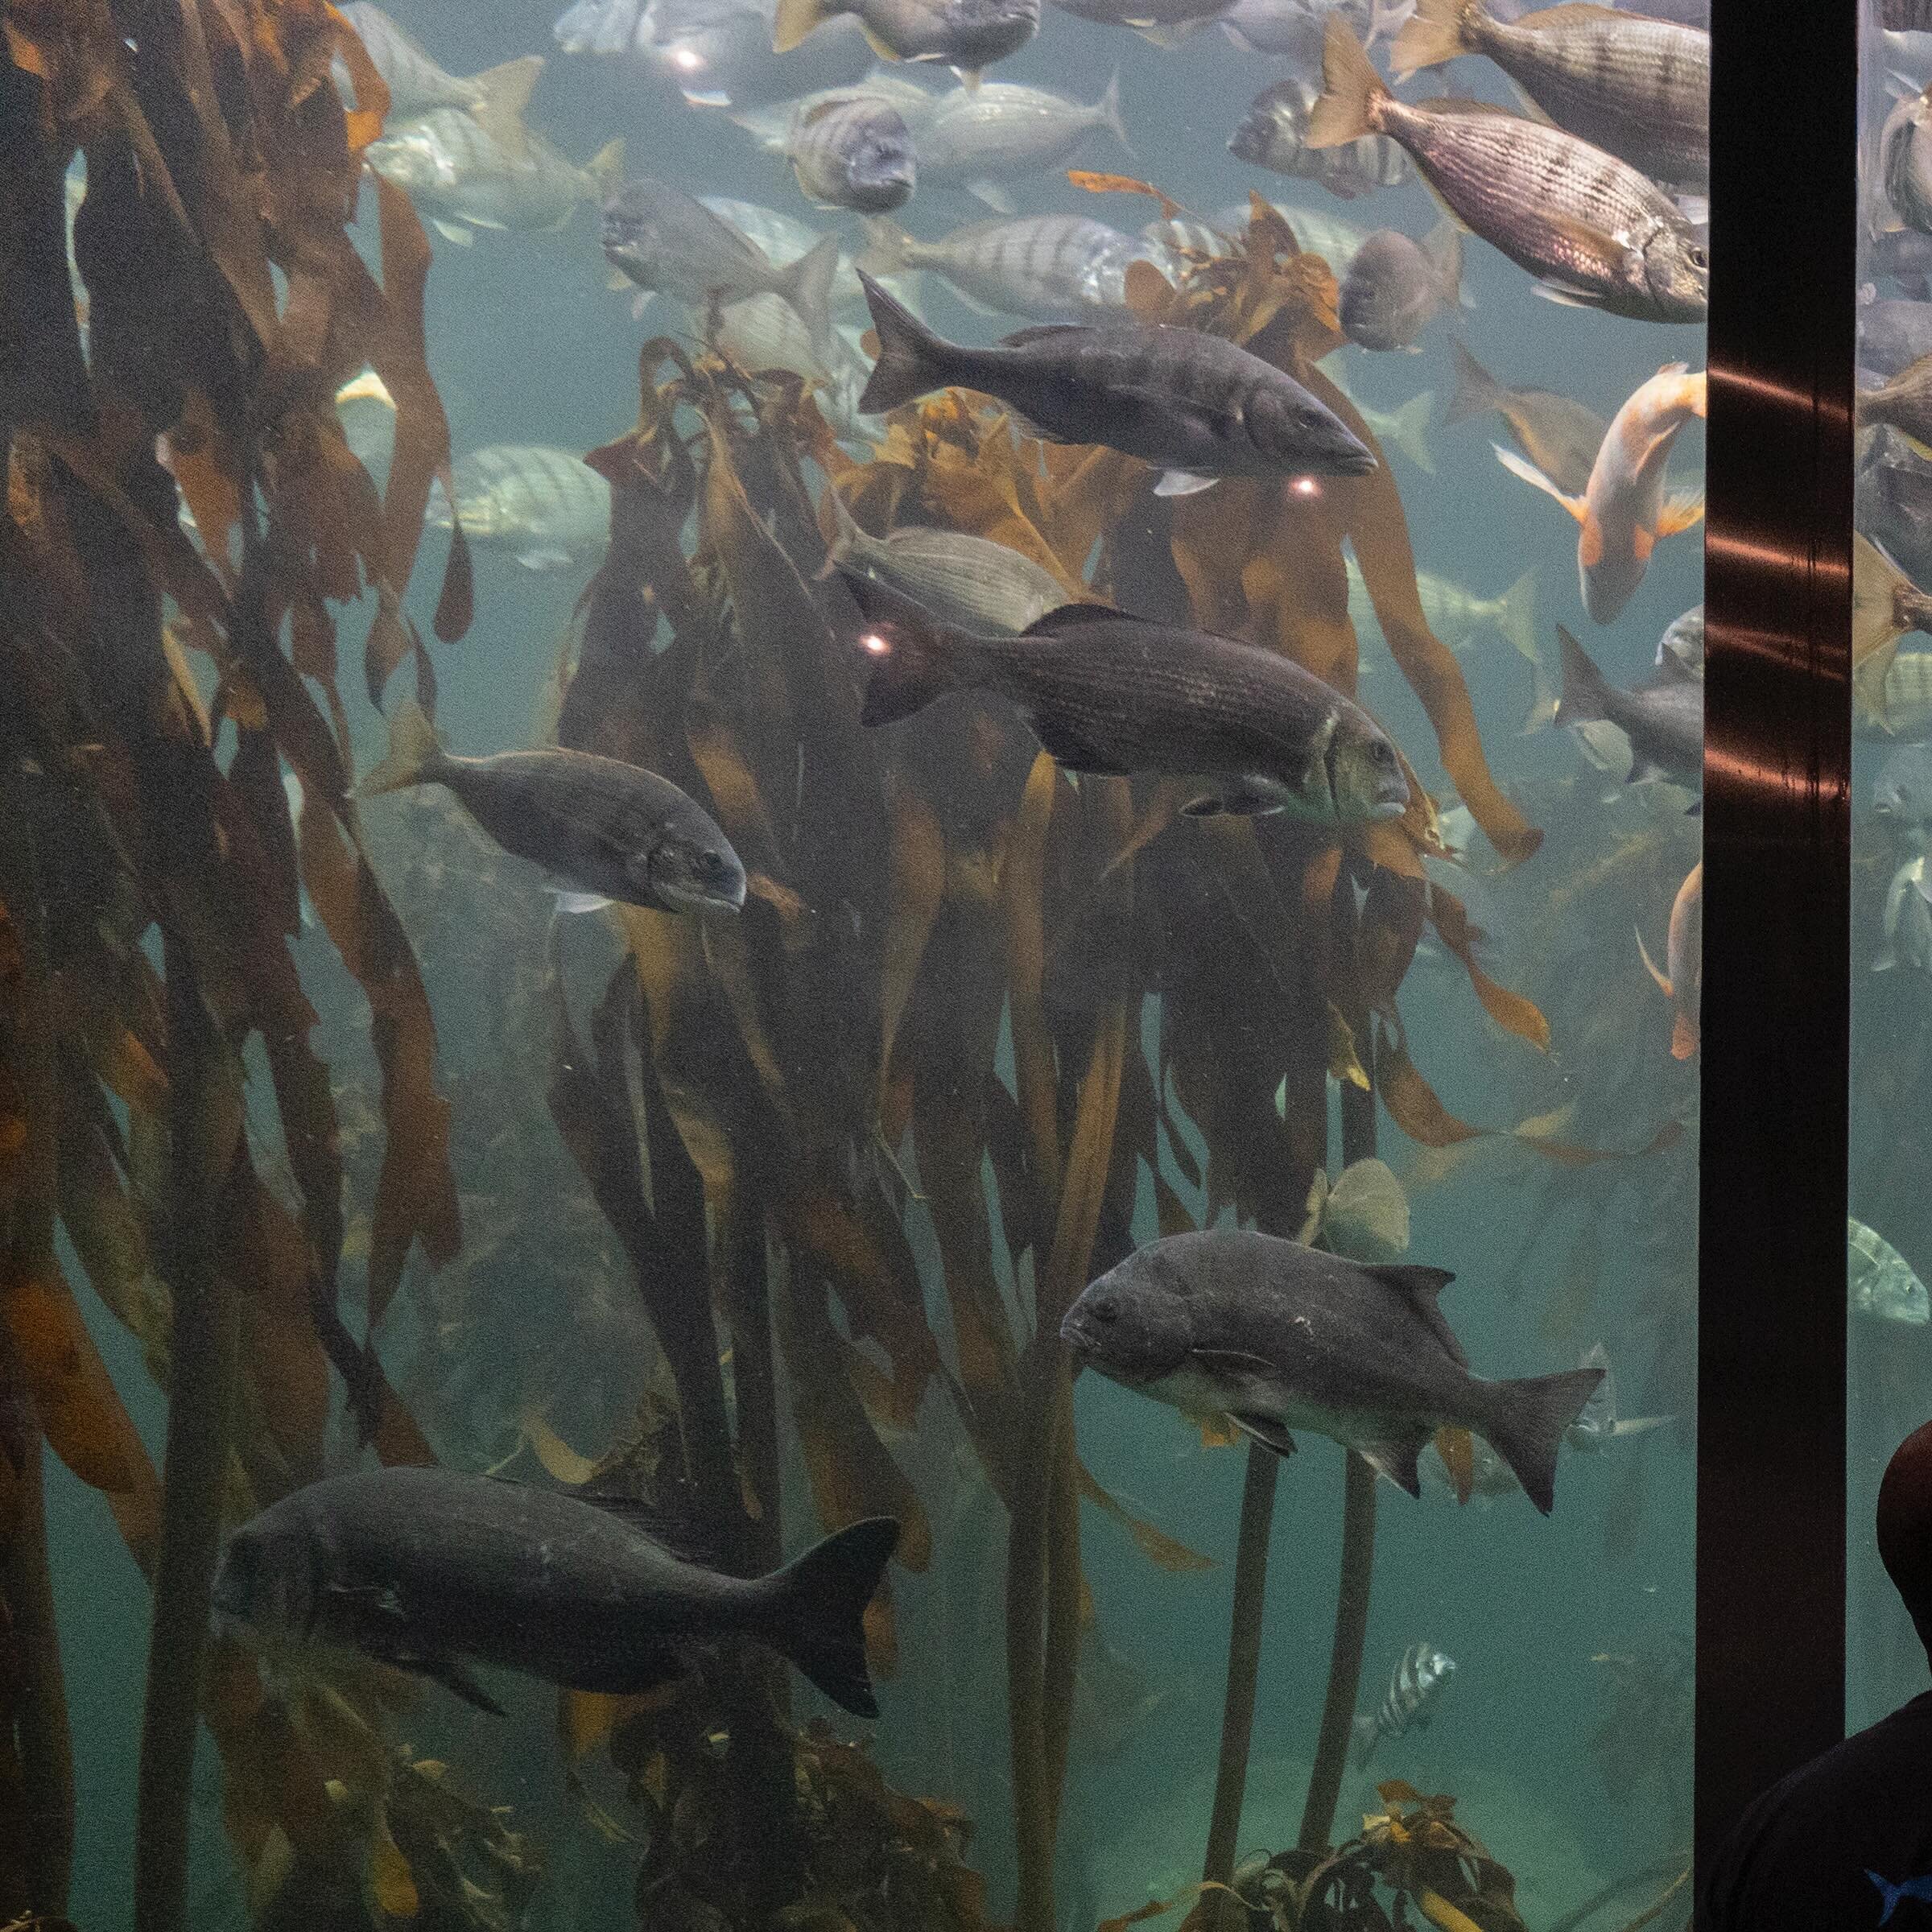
1265	1429
1572	13
1044	331
820	110
1398	1459
1073	617
1421	1286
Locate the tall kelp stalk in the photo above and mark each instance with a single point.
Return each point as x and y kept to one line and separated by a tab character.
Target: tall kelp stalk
182	517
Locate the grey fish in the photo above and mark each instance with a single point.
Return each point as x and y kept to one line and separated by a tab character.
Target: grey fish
1599	1426
1904	402
969	35
1907	924
669	242
854	153
610	832
998	130
434	1570
1105	692
717	53
1273	134
1664	719
1455	614
1905	146
1893	334
1903	793
1165	23
605	27
1882	1285
771	126
1559	436
1193	405
1276	1336
1394	287
547	505
1683	639
970	583
496	98
1048	267
452	168
1590	228
1416	1685
1638	88
1901	706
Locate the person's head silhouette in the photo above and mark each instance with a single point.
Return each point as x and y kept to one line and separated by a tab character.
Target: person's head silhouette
1904	1527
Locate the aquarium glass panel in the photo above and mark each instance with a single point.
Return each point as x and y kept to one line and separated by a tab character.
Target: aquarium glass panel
849	962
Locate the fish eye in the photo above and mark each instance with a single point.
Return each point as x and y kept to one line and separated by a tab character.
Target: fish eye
1381	751
714	865
1106	1309
1698	258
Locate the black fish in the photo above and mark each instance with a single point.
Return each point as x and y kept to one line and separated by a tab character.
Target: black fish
430	1570
1276	1336
1195	406
1105	692
1664	719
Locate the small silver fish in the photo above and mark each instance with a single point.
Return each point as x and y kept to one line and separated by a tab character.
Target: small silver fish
1415	1688
1882	1283
998	130
1047	267
854	153
1275	135
1455	614
451	167
1908	920
547	506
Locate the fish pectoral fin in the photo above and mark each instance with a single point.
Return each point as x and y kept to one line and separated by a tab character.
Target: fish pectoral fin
1265	1429
995	197
1183	483
543	557
1398	1459
1069	750
1207	806
454	231
1231	1361
453	1674
569	902
1521	466
1565	296
1241	800
1681	510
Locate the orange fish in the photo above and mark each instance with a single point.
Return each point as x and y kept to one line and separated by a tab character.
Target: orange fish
1684	954
1623	509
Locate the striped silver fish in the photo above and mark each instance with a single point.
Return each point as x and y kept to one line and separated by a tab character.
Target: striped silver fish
1591	229
546	506
464	179
1636	87
1275	135
1047	267
998	130
771	126
853	153
1415	1687
1316	230
1455	614
416	83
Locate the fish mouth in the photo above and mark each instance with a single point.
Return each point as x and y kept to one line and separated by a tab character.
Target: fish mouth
680	895
1249	142
1357	462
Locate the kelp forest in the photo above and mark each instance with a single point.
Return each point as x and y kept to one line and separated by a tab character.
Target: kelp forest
770	1222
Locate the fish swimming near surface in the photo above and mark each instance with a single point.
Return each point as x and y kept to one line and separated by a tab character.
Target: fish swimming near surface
1561	436
1664	719
1592	230
1273	134
855	153
977	137
1681	982
1106	693
1882	1284
968	34
546	506
1394	287
610	832
416	83
1416	1685
1196	406
1639	88
463	178
1906	927
433	1571
1278	1337
1045	266
1624	509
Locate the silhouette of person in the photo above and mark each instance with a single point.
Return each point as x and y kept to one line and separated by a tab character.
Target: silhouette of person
1846	1841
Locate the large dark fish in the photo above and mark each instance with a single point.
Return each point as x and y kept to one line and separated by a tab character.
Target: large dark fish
1276	1336
1592	230
431	1571
1560	436
1664	720
1193	405
1105	692
610	830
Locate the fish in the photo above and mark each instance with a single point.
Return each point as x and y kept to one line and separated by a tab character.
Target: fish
464	179
1892	1896
1598	1426
1422	1674
436	1571
855	153
1592	230
1278	1337
1455	614
1638	88
1905	148
1048	267
1105	692
979	136
1193	405
784	238
1898	705
496	98
1893	334
1394	287
1683	639
968	34
1363	1217
1907	927
1902	795
717	53
1273	134
1905	402
671	243
765	332
1663	719
1885	605
1561	436
969	583
546	506
1882	1285
1291	29
605	27
1316	231
1894	506
1405	428
1623	510
611	833
1166	24
1682	983
771	126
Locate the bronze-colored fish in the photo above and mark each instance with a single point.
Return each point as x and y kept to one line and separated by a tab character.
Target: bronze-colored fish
1559	436
1904	401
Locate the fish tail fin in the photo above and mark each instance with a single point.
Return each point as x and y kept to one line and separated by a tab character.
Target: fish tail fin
1409	431
1586	693
1521	467
912	359
795	18
1527	1427
1109	106
845	535
1682	508
368	387
1652	968
415	753
1875	582
1349	108
1438	31
887	246
1365	1733
1477	392
502	94
606	167
818	1603
1515	622
806	285
1443	246
1890	1893
914	658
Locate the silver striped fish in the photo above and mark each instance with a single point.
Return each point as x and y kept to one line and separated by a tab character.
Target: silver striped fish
998	130
456	171
1591	229
416	83
1415	1688
546	505
1047	267
854	153
1275	135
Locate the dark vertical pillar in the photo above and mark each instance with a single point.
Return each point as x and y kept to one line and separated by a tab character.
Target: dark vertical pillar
1771	1349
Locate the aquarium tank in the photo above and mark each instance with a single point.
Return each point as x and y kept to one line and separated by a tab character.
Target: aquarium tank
850	965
